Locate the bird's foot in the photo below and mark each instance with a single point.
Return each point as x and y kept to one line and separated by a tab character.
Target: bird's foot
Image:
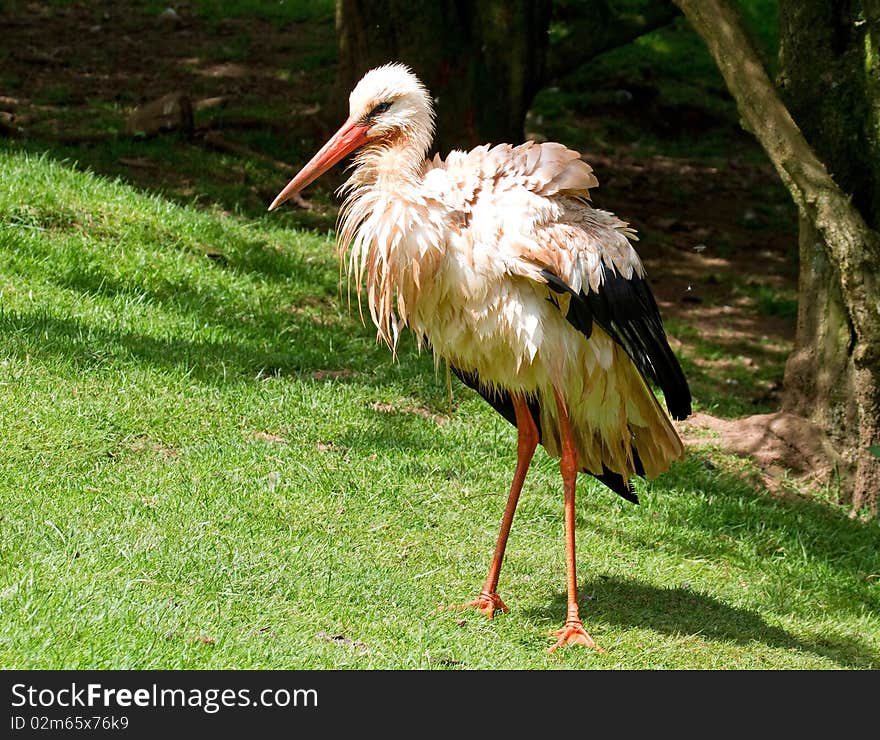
573	633
487	603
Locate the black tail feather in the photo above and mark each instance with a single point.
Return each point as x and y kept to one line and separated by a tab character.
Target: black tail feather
499	400
616	483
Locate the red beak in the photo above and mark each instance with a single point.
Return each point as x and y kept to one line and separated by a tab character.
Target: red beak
351	136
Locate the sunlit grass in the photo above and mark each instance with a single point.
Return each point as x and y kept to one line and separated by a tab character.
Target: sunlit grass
207	462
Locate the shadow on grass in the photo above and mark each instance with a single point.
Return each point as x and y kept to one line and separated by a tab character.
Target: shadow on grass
86	347
806	551
183	163
681	611
398	432
285	319
723	514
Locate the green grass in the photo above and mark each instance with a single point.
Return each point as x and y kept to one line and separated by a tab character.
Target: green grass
208	463
772	302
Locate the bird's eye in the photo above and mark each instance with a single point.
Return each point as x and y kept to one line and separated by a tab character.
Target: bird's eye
381	108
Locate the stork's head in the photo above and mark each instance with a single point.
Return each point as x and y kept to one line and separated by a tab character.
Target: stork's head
389	107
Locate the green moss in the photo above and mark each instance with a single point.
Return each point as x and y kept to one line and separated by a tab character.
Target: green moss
872	80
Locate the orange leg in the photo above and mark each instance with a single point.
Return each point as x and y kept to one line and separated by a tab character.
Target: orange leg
527	440
573	633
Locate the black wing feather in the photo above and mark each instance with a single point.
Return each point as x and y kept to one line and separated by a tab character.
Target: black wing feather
501	401
625	309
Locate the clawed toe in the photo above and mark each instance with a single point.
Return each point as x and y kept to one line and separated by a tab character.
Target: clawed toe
487	603
573	633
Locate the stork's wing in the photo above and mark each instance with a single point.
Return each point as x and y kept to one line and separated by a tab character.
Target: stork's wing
545	231
587	254
545	169
625	309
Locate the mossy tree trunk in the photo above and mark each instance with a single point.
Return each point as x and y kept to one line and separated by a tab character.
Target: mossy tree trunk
830	80
830	74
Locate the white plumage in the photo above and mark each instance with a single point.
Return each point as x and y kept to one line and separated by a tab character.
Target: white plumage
539	301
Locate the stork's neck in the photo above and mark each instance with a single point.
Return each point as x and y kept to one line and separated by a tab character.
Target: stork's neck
389	168
384	204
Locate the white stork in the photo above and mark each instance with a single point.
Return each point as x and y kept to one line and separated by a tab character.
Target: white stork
537	300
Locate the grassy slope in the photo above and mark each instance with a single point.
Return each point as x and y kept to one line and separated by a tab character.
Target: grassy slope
208	463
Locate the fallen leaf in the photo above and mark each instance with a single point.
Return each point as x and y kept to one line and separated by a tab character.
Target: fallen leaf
142	443
341	639
387	408
329	447
269	437
444	660
425	414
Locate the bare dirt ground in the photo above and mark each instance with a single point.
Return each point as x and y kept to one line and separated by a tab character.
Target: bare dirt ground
718	237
